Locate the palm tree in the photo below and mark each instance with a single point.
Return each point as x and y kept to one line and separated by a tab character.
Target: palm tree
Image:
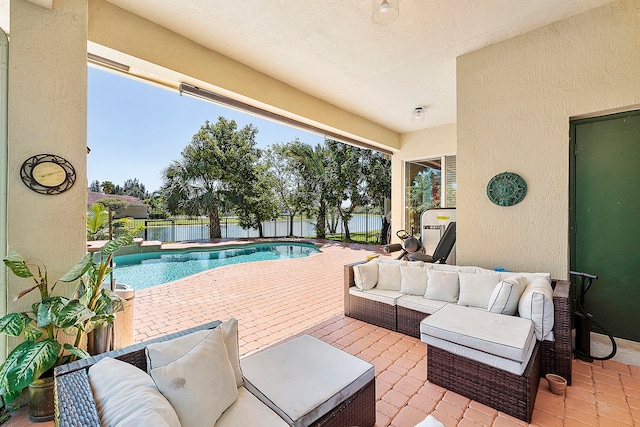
107	187
311	163
193	194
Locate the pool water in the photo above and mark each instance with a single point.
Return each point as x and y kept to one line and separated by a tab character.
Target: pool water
144	270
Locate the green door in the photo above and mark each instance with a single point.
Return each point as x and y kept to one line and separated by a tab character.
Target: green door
605	235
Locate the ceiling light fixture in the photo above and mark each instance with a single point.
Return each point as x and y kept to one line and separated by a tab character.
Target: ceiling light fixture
418	114
385	11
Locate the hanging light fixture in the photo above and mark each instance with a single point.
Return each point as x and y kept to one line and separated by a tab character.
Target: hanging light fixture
384	11
417	115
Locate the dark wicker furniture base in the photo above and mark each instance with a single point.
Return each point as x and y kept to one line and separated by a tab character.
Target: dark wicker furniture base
357	410
409	321
555	356
512	394
75	406
374	312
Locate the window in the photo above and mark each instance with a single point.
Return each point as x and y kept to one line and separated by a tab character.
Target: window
429	183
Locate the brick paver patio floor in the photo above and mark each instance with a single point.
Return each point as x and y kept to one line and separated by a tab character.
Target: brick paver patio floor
276	300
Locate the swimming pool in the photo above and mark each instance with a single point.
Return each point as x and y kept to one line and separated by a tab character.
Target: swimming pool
144	270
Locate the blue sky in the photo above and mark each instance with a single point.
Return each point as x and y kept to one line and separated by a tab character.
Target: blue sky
136	129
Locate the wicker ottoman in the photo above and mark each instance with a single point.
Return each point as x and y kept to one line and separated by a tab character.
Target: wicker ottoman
308	382
491	358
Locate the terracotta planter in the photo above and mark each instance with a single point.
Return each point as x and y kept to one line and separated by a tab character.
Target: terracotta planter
41	406
557	384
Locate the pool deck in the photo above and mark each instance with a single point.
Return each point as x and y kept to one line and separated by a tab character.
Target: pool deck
276	300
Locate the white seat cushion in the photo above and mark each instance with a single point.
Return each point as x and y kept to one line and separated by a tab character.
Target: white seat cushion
503	336
375	294
508	365
421	304
248	410
303	379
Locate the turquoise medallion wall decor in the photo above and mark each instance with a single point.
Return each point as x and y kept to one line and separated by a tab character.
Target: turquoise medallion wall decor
506	189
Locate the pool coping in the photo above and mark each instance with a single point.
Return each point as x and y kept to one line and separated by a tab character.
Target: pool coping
141	246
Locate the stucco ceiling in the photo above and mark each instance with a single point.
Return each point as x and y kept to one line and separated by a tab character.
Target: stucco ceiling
332	50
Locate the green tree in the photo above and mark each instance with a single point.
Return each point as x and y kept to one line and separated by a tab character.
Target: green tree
311	164
132	187
358	178
95	186
256	200
216	161
288	181
97	222
107	187
157	206
424	193
115	204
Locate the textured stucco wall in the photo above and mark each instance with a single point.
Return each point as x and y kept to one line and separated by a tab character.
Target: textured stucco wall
47	115
515	100
419	145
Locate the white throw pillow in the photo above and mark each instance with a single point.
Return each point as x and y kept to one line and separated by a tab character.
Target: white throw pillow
365	275
476	289
506	295
389	276
163	353
442	285
230	334
124	393
536	303
201	384
414	280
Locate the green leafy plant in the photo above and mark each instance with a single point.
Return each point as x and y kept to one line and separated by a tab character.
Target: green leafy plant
90	306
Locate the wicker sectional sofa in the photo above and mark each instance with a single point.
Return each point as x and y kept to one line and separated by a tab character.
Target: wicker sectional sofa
195	378
403	312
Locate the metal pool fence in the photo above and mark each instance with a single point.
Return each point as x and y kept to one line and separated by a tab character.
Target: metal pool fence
363	227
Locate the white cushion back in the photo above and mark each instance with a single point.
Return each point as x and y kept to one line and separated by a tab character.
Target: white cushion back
476	289
442	285
200	385
414	280
506	295
536	303
365	275
126	395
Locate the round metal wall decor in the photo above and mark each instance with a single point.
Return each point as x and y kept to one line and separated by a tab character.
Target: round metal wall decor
48	174
506	189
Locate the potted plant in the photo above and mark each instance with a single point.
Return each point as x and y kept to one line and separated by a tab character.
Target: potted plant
90	307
